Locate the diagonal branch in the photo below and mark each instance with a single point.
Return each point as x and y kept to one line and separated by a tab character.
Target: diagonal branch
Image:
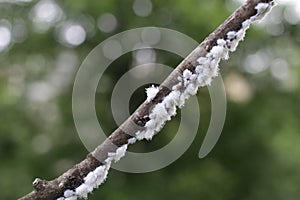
196	70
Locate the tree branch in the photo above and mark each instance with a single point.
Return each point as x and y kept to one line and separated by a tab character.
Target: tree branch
196	70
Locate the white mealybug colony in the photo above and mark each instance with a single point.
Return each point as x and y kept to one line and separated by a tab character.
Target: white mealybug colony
151	93
188	82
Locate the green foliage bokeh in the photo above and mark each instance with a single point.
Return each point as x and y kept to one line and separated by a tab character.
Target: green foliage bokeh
257	156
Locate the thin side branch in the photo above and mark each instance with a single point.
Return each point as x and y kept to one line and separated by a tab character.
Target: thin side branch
143	124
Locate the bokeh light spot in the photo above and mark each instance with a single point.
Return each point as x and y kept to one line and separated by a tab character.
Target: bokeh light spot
151	36
107	22
112	49
256	63
142	8
280	69
237	88
72	34
5	37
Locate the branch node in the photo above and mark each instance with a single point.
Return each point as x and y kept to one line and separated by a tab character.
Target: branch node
39	184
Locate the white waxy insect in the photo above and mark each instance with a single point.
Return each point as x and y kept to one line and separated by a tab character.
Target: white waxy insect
151	93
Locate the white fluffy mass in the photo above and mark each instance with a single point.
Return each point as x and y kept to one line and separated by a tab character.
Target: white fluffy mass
188	82
151	93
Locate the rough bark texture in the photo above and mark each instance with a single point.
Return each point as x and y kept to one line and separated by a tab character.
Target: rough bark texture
49	190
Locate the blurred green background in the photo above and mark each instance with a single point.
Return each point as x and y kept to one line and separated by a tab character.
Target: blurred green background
42	44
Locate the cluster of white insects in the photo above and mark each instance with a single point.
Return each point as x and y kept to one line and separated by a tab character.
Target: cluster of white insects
188	82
